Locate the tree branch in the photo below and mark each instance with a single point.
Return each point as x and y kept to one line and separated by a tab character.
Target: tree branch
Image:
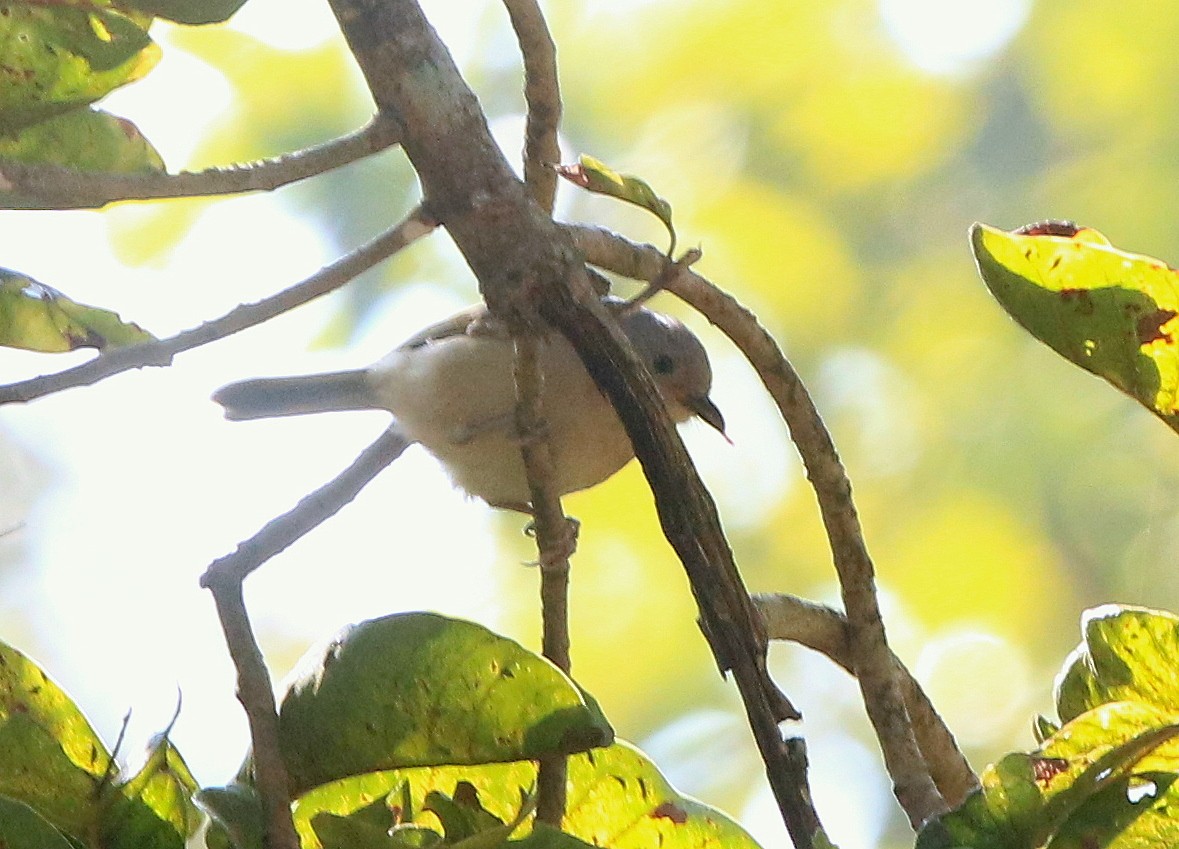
553	545
160	352
825	630
254	691
543	95
871	657
311	511
44	186
527	267
555	534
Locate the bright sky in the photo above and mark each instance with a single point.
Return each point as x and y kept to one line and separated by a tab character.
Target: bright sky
149	484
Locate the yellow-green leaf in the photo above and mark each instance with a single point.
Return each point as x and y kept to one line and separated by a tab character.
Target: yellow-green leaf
1128	654
1110	312
37	317
51	758
84	140
56	57
154	809
596	176
617	798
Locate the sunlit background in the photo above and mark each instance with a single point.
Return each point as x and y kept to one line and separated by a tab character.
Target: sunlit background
828	158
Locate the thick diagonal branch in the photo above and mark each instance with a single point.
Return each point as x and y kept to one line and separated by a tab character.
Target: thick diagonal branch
871	658
527	266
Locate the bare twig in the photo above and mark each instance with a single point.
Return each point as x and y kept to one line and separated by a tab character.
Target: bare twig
257	698
825	630
511	244
553	530
309	513
553	544
160	352
44	186
224	579
543	95
871	657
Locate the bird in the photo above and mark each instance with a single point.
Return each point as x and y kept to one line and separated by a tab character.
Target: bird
451	389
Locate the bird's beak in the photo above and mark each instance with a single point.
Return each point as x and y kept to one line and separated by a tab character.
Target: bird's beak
703	407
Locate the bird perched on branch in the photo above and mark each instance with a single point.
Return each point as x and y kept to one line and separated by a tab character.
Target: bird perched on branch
451	389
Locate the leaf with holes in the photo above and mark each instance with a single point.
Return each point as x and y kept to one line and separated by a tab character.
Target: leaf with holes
1112	313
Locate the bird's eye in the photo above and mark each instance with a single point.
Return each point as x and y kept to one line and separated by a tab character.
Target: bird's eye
663	364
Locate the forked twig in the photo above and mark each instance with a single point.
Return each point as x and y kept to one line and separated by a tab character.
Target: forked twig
871	658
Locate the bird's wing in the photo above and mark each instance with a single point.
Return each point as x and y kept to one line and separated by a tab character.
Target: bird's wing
474	318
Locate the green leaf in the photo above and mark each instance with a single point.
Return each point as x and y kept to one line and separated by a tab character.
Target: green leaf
1026	798
81	139
154	809
40	318
617	798
189	11
21	827
596	176
1129	814
1111	313
419	689
235	812
544	836
60	56
52	759
1128	654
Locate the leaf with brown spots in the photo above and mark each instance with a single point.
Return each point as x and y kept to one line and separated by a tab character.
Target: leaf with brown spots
1110	312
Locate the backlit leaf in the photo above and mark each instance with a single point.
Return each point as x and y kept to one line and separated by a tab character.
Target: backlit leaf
54	57
81	139
40	318
1110	312
617	798
596	176
52	759
154	809
1128	654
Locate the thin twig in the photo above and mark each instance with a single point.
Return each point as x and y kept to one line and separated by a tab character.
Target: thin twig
825	630
872	659
542	93
42	186
311	511
161	351
254	691
553	545
224	579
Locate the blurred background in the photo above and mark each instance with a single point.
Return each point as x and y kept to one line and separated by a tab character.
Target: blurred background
828	157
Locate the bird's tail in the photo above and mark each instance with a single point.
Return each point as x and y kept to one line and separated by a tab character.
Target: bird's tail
266	397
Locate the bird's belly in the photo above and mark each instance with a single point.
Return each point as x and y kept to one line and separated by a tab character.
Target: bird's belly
469	425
